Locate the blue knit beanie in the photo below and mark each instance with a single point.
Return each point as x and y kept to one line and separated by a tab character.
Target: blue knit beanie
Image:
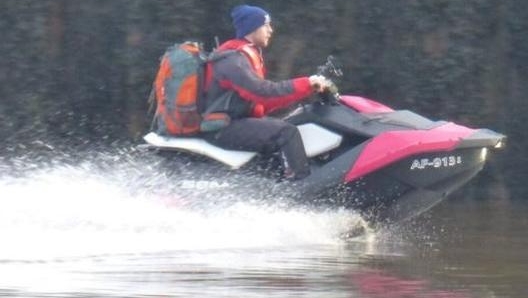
247	19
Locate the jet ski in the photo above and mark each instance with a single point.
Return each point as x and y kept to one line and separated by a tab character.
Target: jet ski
390	165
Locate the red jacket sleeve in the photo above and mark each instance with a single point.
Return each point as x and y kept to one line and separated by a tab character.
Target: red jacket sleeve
236	73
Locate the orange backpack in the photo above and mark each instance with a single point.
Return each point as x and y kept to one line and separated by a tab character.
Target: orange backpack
178	89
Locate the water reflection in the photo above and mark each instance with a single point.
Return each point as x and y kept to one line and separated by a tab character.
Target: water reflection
377	284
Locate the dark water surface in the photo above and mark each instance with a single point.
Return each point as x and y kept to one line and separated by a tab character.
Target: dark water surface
116	225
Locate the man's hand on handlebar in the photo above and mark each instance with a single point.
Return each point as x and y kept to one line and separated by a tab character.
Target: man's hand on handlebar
319	83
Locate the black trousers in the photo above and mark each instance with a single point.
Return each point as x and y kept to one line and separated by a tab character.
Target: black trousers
266	136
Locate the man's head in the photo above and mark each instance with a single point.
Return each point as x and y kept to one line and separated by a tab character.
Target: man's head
252	23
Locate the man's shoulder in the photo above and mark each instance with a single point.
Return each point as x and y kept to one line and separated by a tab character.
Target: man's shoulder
232	44
238	54
226	57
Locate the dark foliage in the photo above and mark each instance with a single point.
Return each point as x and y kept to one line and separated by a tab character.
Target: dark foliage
80	71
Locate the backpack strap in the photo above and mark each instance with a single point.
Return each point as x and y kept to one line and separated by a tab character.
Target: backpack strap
152	106
255	59
256	62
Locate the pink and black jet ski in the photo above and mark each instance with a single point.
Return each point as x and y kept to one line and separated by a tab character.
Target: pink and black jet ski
388	164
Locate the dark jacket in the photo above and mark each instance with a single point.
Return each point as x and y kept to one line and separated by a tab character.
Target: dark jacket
236	83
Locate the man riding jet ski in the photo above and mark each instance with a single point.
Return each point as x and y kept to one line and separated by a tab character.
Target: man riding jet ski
236	96
340	151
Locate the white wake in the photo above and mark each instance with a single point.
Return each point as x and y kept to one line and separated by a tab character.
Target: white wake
63	211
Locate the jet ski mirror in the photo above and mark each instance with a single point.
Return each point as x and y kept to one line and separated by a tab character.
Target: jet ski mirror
331	71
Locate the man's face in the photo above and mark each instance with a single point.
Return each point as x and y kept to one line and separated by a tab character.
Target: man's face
261	36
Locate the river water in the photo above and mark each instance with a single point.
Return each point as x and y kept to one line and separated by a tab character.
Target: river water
117	224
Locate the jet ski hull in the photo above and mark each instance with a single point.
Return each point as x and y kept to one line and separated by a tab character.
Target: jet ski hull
403	189
390	165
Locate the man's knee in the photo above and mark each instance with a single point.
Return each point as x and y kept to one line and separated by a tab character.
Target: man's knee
287	133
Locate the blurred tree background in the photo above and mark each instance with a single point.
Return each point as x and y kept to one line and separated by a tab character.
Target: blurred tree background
74	73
